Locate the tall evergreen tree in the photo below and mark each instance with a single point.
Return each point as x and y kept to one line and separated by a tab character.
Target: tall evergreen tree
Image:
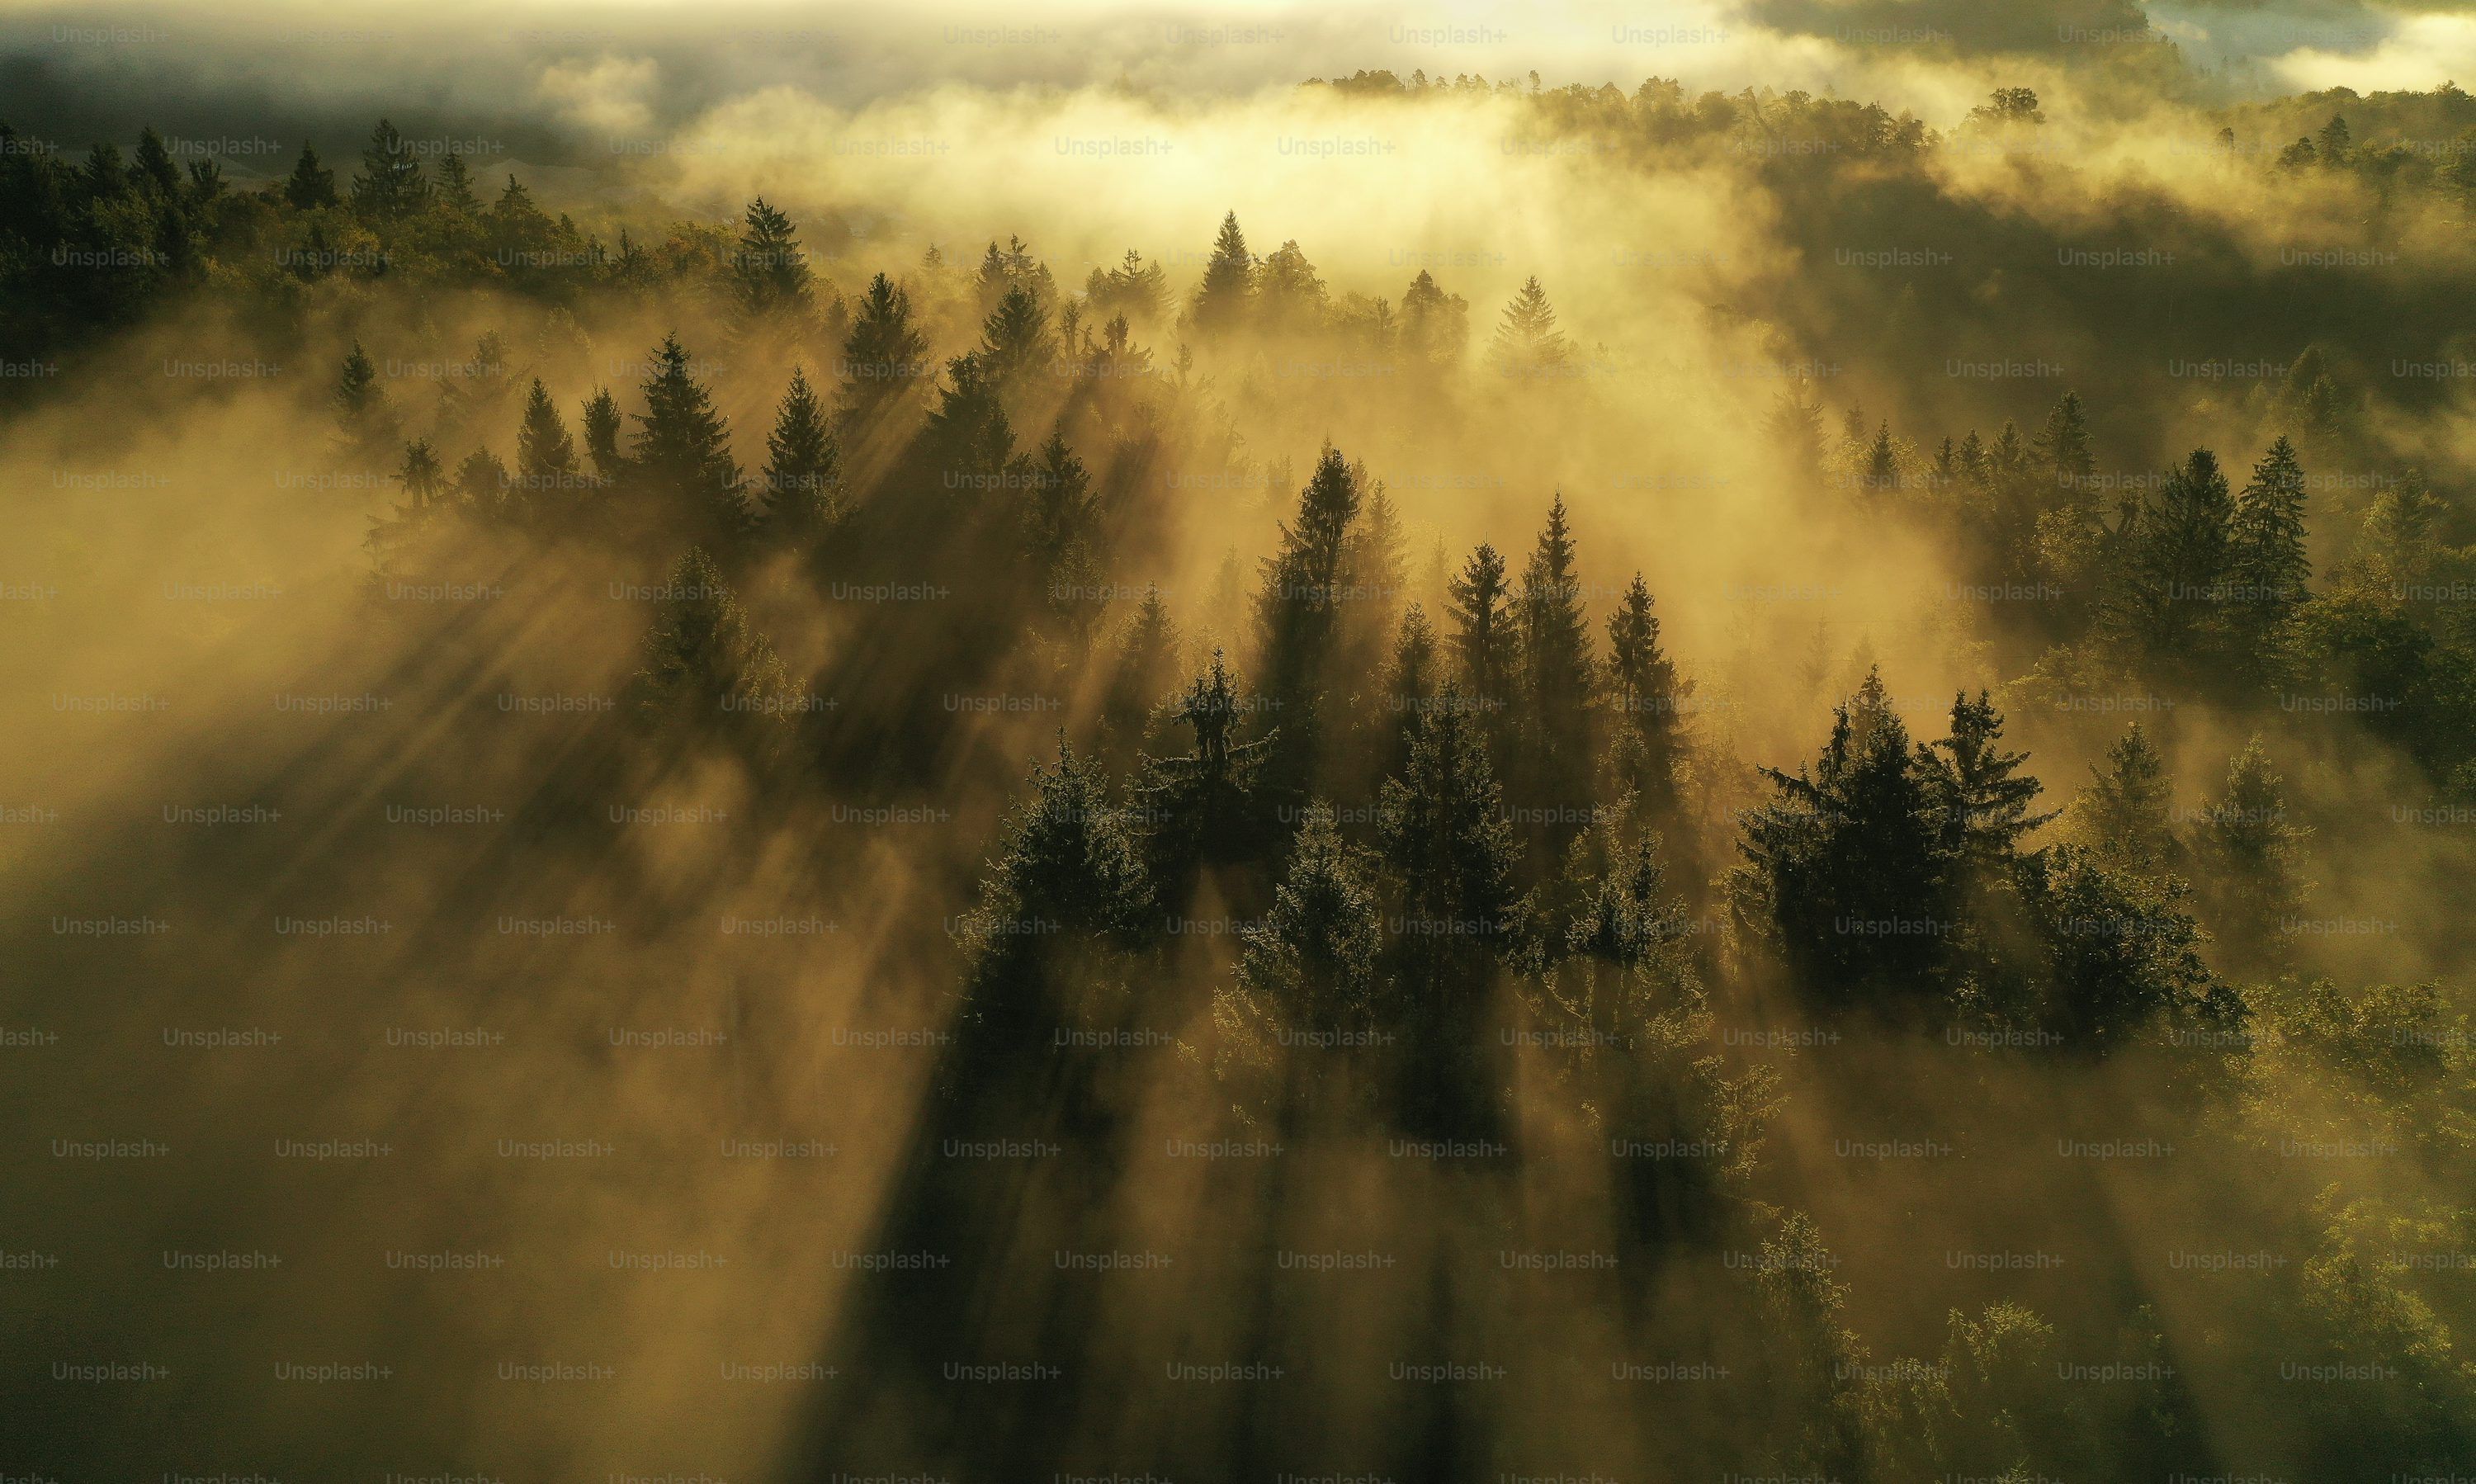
455	189
309	186
706	668
682	449
2062	447
546	466
2266	566
769	270
1845	871
1015	339
2250	854
1299	607
390	185
1648	698
602	436
803	494
2122	814
2167	601
885	360
1222	299
1290	298
1210	806
1486	640
1147	660
1435	325
366	421
1451	857
1977	787
1528	341
1554	642
1411	683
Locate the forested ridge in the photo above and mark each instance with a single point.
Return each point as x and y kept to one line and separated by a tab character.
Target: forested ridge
1372	988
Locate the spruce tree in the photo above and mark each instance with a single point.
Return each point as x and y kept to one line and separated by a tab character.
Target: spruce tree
546	467
706	668
1528	341
2250	855
804	498
1411	682
1290	298
309	186
1297	609
1486	642
2062	447
366	421
885	360
155	169
1133	288
1222	300
602	436
1306	978
2266	566
1146	659
390	185
454	190
1845	867
1450	858
1015	339
769	270
2122	814
1210	806
1554	643
2167	599
1983	797
683	450
1647	699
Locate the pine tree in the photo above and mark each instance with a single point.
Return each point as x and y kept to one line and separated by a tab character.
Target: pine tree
366	421
454	190
2063	447
483	489
2121	814
705	665
1794	426
1297	609
768	269
1307	976
1451	857
2178	561
1060	531
155	167
1068	867
2251	858
967	438
546	467
2335	143
1554	643
682	449
2266	566
1015	339
1648	698
1013	266
1528	341
1485	642
1881	471
1435	325
803	497
602	436
885	360
425	502
390	185
309	186
1146	659
1978	789
1222	299
1410	685
1845	871
1208	808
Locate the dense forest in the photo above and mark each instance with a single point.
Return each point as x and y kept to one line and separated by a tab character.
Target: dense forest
1819	837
